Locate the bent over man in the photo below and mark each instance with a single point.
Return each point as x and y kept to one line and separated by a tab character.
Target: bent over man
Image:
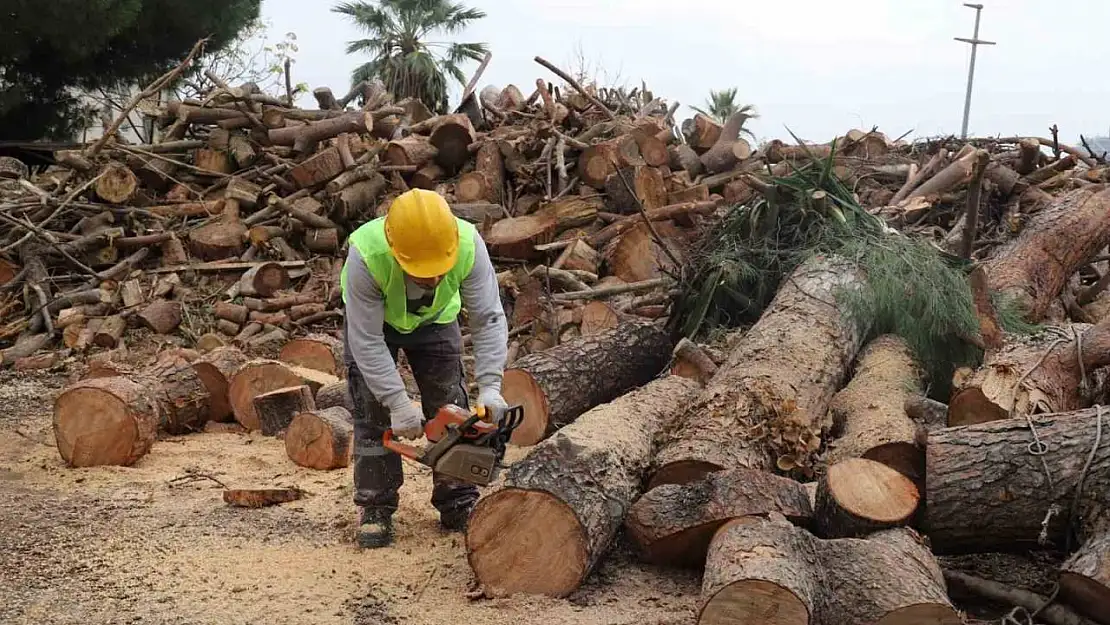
406	278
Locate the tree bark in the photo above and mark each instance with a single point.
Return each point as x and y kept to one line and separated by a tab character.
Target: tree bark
729	149
321	352
413	150
336	394
673	524
253	379
597	162
987	492
1048	367
691	361
646	187
277	408
684	158
1056	242
318	168
486	182
104	421
557	385
858	497
184	401
868	416
761	570
321	439
561	506
263	280
452	138
779	379
215	370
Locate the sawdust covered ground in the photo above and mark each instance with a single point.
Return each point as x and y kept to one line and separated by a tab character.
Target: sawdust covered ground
156	544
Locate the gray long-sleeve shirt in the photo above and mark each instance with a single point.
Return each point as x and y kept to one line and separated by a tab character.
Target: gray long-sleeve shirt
364	341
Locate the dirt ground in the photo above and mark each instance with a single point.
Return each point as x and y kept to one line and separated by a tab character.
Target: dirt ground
156	544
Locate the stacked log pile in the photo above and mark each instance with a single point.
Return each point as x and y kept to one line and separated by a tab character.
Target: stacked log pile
794	466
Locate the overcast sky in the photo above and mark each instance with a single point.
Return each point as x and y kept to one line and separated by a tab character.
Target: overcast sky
819	67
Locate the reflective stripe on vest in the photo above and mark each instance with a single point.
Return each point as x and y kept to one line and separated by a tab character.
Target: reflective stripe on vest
369	239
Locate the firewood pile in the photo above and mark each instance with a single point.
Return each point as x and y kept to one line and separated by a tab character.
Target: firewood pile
806	464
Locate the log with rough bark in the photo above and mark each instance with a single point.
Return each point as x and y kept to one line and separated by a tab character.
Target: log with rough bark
184	401
702	133
1030	374
868	416
889	577
321	352
628	188
557	385
986	491
335	394
1035	266
761	570
162	316
485	183
690	361
105	421
729	149
413	150
264	280
779	379
673	524
321	439
215	370
684	158
859	496
561	506
318	168
516	237
452	137
255	378
599	161
277	408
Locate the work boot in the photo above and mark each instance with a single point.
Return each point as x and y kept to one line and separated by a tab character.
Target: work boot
375	529
455	520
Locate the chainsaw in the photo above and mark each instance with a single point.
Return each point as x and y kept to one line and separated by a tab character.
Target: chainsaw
462	444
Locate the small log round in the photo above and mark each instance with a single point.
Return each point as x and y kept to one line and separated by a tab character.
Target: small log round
321	439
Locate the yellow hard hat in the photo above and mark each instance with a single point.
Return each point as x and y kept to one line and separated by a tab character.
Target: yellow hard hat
422	233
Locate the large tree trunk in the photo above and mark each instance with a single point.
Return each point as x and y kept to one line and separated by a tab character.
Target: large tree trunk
987	492
858	497
183	399
761	570
563	503
868	415
253	379
215	370
321	439
780	379
557	385
105	421
1048	367
1057	241
889	577
673	524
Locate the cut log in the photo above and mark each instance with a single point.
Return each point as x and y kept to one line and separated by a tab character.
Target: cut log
231	312
1085	577
858	497
889	577
987	492
578	256
1048	367
316	351
598	162
277	408
215	370
221	238
561	506
110	332
689	361
672	525
557	385
485	183
701	133
184	401
162	316
104	421
729	148
261	497
646	187
255	378
335	394
1034	267
264	280
452	138
597	317
573	212
516	237
684	158
318	168
869	417
779	379
117	184
412	151
761	570
636	255
321	439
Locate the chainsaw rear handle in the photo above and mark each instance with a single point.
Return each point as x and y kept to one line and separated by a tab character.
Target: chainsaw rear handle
409	451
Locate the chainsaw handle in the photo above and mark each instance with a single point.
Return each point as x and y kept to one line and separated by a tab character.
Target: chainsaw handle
409	451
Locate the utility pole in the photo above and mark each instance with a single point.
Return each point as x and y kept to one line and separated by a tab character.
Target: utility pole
975	41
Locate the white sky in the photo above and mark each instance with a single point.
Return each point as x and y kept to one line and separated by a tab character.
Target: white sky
820	67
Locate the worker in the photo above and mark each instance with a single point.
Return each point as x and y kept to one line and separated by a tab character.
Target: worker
405	280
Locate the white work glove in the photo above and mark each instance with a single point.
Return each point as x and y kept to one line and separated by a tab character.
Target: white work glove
406	420
490	398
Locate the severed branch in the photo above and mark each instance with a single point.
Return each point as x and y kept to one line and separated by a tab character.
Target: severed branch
975	192
1037	606
577	87
149	92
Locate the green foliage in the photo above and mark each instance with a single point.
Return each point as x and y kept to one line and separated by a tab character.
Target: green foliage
912	289
52	49
401	56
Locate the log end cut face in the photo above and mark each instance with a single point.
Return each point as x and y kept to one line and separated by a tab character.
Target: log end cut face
519	387
252	380
103	422
870	490
754	601
922	614
219	406
972	406
508	556
311	354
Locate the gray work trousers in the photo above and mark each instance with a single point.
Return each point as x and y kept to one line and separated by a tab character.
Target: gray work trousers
435	354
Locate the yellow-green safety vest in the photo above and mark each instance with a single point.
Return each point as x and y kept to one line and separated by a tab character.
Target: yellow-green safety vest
369	239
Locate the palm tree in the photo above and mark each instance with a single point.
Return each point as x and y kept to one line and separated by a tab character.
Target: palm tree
406	63
722	104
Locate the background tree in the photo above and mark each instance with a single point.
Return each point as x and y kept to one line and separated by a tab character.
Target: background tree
401	56
52	50
720	105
